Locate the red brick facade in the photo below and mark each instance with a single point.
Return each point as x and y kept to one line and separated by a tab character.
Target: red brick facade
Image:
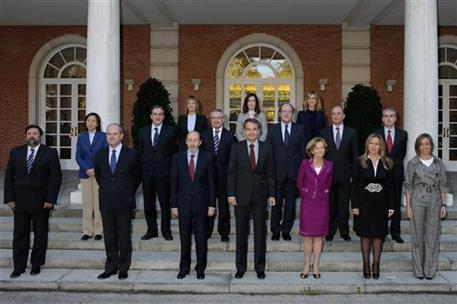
18	46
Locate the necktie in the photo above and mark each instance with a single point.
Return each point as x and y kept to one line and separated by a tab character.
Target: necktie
192	167
156	137
286	136
252	156
112	163
389	141
338	138
216	141
30	161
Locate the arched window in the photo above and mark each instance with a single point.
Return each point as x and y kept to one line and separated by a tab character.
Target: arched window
262	69
63	96
447	106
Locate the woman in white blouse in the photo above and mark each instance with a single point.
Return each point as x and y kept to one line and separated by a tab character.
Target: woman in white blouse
251	109
192	121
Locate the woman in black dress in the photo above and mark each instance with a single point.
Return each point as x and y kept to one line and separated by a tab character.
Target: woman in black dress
312	117
372	199
192	121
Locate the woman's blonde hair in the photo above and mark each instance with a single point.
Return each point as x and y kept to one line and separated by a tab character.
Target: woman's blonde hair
386	161
318	104
197	104
313	143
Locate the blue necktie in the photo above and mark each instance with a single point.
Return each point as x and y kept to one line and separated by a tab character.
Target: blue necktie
338	138
112	163
30	161
156	137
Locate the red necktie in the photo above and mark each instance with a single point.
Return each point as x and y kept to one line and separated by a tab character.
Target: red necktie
192	167
389	141
252	156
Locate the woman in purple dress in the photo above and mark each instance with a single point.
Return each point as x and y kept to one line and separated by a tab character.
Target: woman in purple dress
313	182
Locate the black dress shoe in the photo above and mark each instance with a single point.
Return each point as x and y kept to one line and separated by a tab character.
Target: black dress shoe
35	270
181	275
106	275
123	275
149	235
200	275
261	275
167	236
347	238
286	236
239	274
85	237
98	237
16	273
329	238
225	238
429	278
397	238
275	237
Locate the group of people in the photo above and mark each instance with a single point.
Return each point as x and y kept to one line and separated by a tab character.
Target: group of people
196	172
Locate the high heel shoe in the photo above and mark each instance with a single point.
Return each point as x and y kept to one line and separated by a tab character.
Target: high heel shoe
304	275
375	271
316	275
366	271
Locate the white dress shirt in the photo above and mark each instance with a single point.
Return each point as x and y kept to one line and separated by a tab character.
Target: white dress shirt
392	133
35	151
283	129
189	153
159	128
334	131
191	120
118	151
91	136
219	134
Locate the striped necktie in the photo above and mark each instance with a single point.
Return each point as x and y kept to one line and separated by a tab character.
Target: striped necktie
30	160
216	141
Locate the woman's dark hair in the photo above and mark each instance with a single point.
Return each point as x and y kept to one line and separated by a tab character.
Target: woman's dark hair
40	130
419	139
97	117
245	103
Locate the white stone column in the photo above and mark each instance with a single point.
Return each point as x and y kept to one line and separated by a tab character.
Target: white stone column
103	60
420	102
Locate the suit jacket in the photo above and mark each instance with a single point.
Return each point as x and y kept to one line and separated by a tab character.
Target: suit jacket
312	185
117	191
221	159
31	191
85	151
157	160
398	152
287	158
304	119
199	193
201	124
243	182
344	157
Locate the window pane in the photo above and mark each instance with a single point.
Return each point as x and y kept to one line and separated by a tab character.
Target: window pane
253	53
447	72
453	142
82	102
51	115
249	88
65	89
81	114
452	154
81	127
260	71
81	89
69	54
235	97
51	102
65	128
283	93
65	153
51	89
50	72
284	70
81	54
236	67
440	103
440	116
51	140
451	55
57	61
441	54
51	127
74	71
65	102
266	53
453	103
65	141
268	91
453	91
452	116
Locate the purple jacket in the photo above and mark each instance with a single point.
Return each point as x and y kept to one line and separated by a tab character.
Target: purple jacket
313	185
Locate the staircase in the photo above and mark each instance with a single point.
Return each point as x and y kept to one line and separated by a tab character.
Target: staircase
73	265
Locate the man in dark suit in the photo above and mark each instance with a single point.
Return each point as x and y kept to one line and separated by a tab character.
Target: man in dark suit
118	174
32	182
343	149
193	200
288	142
396	140
218	141
250	186
157	144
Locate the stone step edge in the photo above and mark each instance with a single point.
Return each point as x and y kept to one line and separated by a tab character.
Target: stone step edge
84	280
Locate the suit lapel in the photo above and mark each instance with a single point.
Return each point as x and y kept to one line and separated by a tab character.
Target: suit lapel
185	165
332	138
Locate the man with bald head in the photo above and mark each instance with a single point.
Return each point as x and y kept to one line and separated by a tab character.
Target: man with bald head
118	174
343	149
193	201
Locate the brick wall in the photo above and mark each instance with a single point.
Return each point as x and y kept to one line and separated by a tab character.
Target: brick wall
18	46
201	47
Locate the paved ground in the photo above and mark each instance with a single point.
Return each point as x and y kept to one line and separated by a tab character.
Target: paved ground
70	298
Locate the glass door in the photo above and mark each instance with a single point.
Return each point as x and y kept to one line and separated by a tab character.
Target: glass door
447	115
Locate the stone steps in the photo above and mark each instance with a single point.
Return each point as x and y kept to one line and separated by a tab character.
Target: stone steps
68	240
225	261
85	280
73	224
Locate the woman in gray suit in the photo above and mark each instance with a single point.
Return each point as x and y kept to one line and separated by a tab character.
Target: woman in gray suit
251	109
425	191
